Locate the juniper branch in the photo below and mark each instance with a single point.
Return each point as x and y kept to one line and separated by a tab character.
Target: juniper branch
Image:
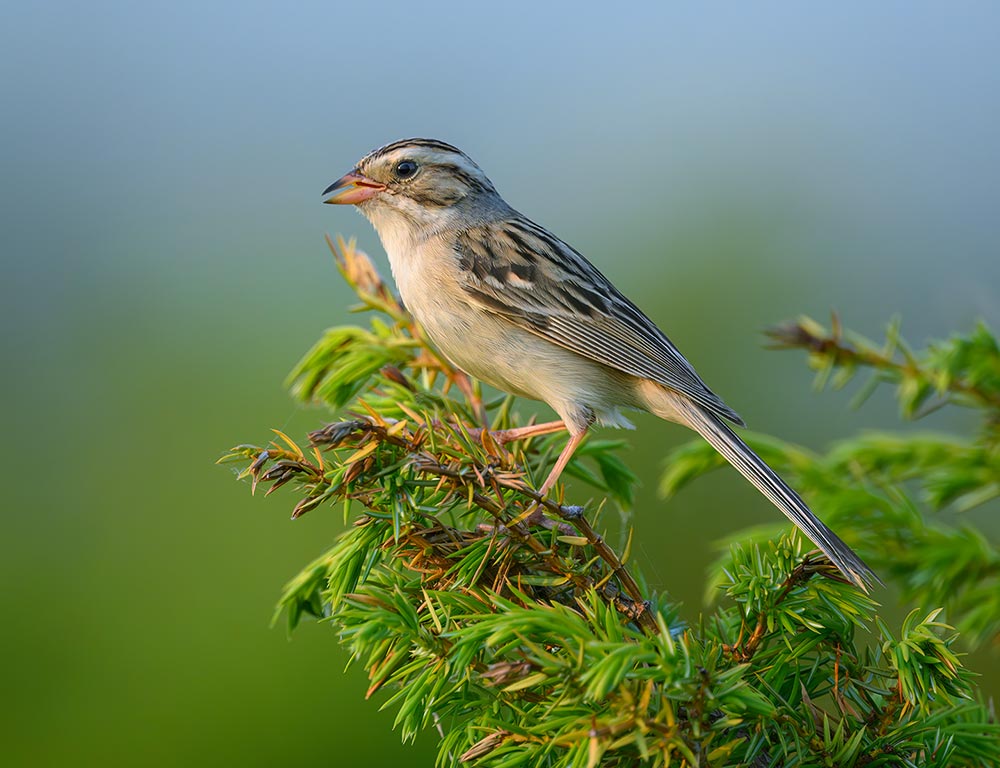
521	645
882	490
964	370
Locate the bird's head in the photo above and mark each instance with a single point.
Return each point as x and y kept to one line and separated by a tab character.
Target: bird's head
422	180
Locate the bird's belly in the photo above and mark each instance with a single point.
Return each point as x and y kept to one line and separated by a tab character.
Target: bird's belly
513	360
504	357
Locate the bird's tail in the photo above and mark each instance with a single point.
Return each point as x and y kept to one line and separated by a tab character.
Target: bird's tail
753	468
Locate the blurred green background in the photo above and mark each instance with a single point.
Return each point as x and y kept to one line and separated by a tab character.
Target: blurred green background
164	267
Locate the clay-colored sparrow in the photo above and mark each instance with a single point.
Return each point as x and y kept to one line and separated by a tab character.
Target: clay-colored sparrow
513	305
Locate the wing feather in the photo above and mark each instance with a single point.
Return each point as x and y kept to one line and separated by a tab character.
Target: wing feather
521	272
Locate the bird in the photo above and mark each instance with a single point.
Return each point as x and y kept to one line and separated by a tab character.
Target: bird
511	304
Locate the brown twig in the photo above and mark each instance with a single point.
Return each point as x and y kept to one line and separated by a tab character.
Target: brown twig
635	607
810	336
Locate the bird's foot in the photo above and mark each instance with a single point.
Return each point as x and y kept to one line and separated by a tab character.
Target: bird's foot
533	516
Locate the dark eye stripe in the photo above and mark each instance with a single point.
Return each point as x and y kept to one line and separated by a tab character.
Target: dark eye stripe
464	176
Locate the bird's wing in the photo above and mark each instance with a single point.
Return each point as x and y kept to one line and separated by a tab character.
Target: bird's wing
521	272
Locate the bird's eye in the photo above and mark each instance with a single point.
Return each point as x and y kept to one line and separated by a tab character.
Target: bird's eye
406	169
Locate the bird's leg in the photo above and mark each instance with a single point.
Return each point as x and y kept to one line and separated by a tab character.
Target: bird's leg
564	457
521	433
504	436
537	515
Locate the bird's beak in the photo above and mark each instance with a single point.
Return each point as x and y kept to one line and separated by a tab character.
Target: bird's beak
351	189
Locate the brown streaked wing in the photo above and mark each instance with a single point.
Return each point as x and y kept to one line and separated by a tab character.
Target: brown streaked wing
518	270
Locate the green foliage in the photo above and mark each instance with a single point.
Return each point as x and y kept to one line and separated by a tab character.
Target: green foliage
884	493
532	644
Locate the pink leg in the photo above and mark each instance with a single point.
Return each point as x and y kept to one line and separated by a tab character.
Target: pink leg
520	433
564	457
537	515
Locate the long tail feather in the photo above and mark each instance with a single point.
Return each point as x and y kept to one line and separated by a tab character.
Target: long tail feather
753	468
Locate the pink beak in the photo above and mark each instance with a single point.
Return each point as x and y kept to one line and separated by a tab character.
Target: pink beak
352	188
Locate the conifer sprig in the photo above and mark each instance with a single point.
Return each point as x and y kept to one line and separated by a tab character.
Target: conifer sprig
884	492
529	645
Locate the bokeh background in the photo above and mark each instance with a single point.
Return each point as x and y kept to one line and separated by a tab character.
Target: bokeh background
164	267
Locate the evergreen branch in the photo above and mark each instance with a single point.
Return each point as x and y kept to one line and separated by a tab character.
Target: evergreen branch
963	370
882	490
522	644
744	650
633	606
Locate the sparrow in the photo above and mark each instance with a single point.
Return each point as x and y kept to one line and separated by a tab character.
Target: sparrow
514	306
